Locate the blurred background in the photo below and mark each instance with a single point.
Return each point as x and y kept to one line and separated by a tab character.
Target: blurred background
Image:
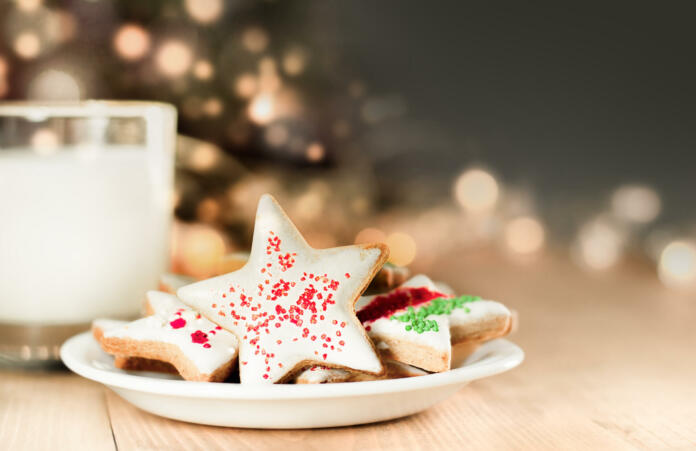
517	129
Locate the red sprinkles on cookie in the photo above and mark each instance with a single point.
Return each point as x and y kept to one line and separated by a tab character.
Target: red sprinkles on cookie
283	304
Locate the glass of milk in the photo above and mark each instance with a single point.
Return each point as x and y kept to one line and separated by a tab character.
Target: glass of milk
85	214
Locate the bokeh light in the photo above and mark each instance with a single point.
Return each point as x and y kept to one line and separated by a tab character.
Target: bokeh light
27	45
309	205
402	248
245	86
204	157
636	203
315	152
524	235
599	245
131	42
204	11
476	190
54	85
294	62
203	70
213	106
255	39
262	108
174	58
44	141
370	235
28	5
197	249
677	265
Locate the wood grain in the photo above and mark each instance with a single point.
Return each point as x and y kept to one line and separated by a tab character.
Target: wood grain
49	411
610	364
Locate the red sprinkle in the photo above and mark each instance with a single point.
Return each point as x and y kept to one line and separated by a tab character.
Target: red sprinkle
199	337
178	323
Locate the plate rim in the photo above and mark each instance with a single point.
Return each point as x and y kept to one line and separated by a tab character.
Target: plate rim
499	355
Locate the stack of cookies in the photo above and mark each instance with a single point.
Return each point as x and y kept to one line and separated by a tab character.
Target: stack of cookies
287	314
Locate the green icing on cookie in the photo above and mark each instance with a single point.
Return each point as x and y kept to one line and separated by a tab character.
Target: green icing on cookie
417	320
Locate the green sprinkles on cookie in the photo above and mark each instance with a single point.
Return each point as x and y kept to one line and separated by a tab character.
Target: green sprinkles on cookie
417	320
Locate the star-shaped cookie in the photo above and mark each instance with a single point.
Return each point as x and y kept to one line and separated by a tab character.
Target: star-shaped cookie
416	322
292	305
173	333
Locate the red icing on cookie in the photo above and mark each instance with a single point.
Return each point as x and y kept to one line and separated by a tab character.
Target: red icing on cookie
178	323
384	306
199	337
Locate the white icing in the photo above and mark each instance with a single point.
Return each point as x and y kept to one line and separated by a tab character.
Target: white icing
157	327
350	267
479	311
396	330
385	327
471	314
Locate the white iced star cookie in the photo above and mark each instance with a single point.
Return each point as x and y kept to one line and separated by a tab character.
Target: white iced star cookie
292	305
199	349
417	323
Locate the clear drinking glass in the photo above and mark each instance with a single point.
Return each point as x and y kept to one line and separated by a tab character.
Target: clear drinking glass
85	215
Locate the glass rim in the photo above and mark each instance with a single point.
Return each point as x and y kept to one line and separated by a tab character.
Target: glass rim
40	110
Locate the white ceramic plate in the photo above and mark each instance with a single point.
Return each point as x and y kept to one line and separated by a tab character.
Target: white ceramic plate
284	406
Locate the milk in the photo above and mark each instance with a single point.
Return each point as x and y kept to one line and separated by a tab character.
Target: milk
83	232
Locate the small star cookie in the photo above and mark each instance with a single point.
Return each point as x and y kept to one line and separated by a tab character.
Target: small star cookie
417	323
292	305
199	349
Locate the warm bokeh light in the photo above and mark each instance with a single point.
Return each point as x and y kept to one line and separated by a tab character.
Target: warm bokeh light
309	205
315	152
28	5
476	190
255	39
636	203
245	86
174	58
269	81
27	45
131	42
204	11
197	249
213	106
402	248
54	85
61	26
294	62
204	157
677	265
370	235
44	141
599	245
262	108
203	70
524	235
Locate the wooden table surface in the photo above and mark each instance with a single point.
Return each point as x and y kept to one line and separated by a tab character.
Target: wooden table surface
610	364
